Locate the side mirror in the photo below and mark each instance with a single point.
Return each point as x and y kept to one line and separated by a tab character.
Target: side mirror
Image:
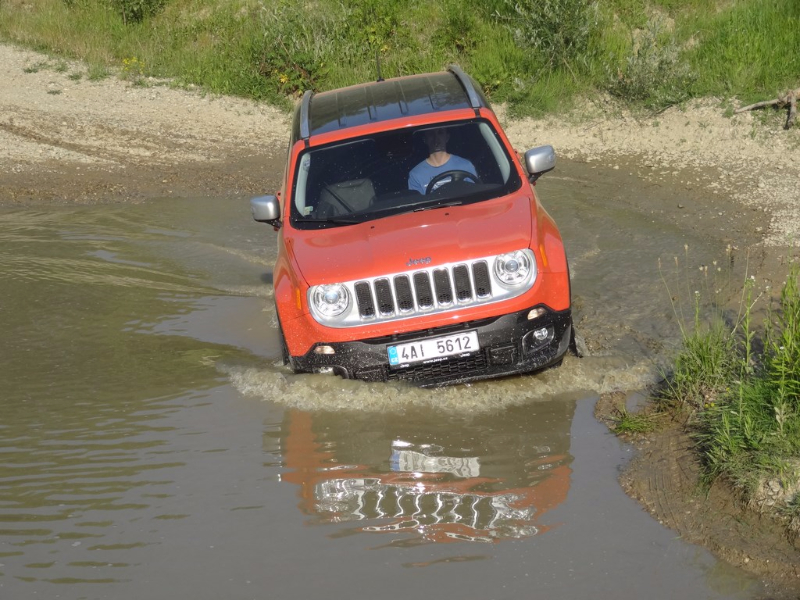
539	161
266	209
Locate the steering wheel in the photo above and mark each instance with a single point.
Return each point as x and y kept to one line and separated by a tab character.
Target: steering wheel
454	175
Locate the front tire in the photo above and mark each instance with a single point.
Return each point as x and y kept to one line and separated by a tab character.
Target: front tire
284	348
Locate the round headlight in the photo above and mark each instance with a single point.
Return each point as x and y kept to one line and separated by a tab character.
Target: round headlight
330	300
513	268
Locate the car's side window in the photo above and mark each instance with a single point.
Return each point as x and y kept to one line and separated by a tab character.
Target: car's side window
301	187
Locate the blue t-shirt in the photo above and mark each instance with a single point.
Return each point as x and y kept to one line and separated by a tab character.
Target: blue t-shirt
421	175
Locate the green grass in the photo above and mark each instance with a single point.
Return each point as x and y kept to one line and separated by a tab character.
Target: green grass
628	423
749	50
744	406
538	55
705	365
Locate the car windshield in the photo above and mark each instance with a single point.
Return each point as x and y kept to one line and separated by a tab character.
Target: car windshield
399	171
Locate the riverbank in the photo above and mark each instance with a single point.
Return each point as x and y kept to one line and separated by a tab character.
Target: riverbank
117	140
67	139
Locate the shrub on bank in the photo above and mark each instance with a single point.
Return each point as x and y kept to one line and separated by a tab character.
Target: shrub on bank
747	405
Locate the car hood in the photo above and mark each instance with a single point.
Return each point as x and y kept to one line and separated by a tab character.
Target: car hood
414	240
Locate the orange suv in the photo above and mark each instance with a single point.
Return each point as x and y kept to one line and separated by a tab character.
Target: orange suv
411	242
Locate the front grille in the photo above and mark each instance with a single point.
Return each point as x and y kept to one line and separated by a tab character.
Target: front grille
444	292
405	299
483	285
422	283
446	369
366	307
463	285
383	291
423	291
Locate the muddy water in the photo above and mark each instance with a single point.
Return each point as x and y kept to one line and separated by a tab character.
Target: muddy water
152	447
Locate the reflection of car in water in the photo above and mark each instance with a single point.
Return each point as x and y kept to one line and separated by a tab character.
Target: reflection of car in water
485	479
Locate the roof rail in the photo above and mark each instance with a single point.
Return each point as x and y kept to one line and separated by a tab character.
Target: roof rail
305	113
465	81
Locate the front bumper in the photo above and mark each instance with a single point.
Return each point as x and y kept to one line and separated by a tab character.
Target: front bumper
508	346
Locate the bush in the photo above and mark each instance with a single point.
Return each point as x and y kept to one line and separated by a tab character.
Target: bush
654	74
782	364
135	11
751	431
704	367
131	11
294	46
558	31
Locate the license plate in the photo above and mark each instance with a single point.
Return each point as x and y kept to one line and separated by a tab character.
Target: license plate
458	344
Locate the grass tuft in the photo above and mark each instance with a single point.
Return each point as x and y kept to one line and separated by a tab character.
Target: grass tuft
628	423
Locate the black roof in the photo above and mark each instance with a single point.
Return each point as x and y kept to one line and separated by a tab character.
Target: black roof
384	100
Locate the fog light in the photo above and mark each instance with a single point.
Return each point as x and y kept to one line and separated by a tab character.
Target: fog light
324	370
541	334
535	313
324	350
535	340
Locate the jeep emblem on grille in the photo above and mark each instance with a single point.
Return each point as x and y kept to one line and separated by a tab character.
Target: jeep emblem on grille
418	261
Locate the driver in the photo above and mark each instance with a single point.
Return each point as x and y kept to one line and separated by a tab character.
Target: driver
439	161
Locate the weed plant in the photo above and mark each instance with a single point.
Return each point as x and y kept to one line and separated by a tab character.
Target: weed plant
744	406
654	74
755	434
538	56
632	423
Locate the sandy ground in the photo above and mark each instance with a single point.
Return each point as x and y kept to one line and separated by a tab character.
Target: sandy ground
64	139
736	158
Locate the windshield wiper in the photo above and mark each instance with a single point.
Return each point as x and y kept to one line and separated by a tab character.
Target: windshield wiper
438	205
333	220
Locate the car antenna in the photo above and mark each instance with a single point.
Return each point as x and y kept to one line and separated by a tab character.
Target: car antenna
378	63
